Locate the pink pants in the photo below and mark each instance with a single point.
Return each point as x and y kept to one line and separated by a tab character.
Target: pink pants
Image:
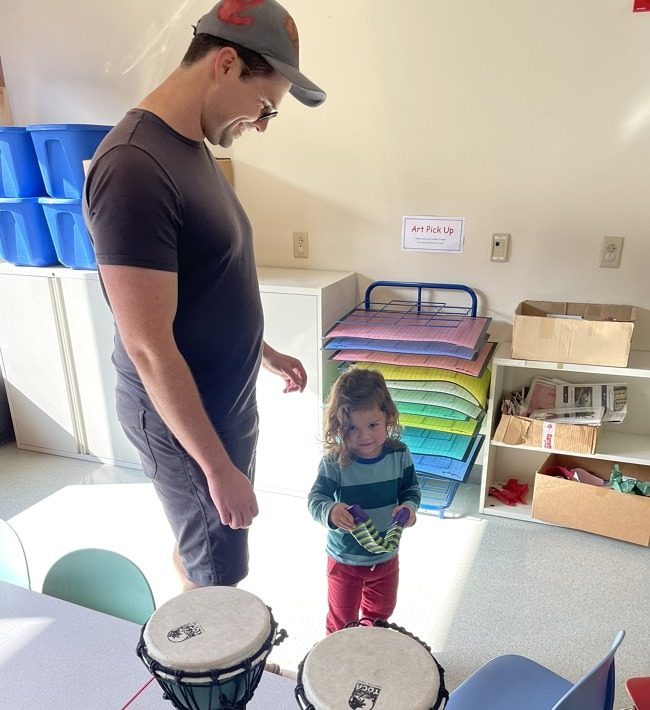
369	590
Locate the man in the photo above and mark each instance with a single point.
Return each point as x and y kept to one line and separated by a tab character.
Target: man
175	255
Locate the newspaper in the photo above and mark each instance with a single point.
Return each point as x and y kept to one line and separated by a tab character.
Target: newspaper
547	393
611	395
542	394
593	416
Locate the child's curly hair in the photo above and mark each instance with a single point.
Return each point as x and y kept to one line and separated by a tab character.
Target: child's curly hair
355	389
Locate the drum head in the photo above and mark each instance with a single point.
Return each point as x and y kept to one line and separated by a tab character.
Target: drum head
207	629
370	667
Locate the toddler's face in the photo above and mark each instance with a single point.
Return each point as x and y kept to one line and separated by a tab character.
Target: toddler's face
367	432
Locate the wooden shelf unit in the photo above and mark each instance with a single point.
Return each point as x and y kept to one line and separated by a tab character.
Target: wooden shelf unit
628	441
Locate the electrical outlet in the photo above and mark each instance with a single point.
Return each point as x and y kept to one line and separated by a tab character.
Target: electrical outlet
499	251
610	252
300	245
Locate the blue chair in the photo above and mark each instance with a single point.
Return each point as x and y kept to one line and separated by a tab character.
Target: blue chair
509	682
102	580
13	563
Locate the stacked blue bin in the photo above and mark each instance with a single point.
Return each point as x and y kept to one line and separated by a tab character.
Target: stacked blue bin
48	161
61	150
25	238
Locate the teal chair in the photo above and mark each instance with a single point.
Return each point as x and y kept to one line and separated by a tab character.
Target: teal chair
13	563
102	580
509	682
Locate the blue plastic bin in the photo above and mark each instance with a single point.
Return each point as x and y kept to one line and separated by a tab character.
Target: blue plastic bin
25	238
61	150
20	173
69	234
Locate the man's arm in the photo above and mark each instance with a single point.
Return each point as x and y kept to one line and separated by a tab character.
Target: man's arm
144	304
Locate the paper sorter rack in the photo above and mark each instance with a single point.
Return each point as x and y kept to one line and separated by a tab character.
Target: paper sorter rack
437	493
435	310
424	310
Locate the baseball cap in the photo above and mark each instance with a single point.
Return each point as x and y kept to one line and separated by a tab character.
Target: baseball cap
265	27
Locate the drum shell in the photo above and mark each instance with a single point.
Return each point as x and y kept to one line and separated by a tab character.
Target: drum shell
233	692
207	647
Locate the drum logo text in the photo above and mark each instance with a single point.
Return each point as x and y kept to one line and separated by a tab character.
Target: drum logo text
364	696
184	632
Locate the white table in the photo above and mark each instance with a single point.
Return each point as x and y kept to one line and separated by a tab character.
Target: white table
54	654
273	693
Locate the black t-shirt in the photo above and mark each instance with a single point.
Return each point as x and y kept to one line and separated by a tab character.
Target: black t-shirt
157	200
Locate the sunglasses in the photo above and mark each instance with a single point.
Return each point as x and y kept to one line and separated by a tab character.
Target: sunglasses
267	116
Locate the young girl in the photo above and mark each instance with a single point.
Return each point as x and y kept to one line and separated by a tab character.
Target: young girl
365	467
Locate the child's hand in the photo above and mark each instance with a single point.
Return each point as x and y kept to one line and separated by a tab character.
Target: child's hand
412	515
341	517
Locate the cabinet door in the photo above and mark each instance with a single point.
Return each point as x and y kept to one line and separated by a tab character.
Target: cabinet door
289	448
35	365
90	332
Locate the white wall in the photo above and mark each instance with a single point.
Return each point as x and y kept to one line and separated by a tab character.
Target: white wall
522	117
85	61
519	116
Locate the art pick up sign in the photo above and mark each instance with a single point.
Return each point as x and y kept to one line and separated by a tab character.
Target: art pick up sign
439	234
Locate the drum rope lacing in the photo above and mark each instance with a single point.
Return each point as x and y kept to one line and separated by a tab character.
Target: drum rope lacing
182	680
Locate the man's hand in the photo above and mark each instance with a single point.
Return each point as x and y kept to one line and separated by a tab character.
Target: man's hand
233	497
289	368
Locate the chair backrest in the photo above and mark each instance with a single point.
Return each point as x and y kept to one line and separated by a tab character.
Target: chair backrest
103	580
639	691
13	563
596	690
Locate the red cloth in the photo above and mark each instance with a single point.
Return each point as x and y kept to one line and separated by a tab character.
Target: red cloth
511	493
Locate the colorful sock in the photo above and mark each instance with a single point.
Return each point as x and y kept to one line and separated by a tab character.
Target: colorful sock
394	532
367	536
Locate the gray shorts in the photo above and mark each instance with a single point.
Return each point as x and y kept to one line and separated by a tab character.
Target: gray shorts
211	553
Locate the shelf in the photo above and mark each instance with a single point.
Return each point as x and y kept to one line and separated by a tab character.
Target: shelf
494	506
634	448
627	442
638	364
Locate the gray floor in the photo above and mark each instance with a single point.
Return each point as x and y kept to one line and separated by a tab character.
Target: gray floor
472	586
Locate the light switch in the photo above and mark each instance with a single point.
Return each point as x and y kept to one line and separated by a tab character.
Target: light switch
499	250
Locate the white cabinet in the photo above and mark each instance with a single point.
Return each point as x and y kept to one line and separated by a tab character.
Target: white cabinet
300	306
56	340
628	441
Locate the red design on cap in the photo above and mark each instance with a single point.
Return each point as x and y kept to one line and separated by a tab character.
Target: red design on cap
233	12
292	31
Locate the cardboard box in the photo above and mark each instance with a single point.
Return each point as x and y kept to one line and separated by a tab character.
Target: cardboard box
595	509
598	334
522	431
226	167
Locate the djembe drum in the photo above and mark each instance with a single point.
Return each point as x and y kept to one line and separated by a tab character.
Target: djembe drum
207	647
379	667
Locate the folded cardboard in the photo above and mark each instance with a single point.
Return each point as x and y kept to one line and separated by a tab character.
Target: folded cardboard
522	431
581	333
226	167
596	509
